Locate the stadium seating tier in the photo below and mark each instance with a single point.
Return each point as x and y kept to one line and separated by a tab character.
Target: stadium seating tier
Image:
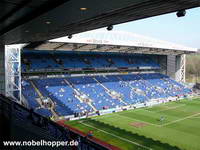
79	95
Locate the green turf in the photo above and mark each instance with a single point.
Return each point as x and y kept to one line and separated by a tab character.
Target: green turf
179	130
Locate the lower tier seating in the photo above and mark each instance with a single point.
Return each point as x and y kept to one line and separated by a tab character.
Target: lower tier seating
84	94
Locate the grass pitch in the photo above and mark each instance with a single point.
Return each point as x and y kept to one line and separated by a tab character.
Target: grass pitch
180	128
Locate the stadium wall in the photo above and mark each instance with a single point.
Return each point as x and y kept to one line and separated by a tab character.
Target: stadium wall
162	61
171	66
176	67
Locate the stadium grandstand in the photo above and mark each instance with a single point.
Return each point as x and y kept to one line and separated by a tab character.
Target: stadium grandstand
95	90
95	73
69	79
87	74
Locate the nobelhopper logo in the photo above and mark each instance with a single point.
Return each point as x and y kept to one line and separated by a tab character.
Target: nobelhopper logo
41	143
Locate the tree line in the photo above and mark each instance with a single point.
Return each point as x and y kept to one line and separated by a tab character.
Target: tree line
193	66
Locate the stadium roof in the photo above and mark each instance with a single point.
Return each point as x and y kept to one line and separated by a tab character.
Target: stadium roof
25	21
113	41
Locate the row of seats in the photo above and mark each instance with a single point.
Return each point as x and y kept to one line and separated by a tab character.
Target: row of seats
23	118
30	94
89	93
95	91
34	61
27	125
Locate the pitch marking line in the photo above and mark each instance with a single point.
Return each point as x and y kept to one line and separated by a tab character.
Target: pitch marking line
139	120
167	108
124	139
175	121
131	119
194	115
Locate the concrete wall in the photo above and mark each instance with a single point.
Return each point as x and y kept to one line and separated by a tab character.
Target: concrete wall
176	67
162	61
171	66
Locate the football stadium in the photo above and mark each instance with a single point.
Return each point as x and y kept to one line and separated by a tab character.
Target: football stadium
96	90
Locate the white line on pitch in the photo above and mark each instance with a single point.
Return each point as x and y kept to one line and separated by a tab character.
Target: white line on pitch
124	139
180	119
131	119
169	108
139	120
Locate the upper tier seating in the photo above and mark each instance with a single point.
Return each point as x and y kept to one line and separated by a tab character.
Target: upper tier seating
44	60
101	92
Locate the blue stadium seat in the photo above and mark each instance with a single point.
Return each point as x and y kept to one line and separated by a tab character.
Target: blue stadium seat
44	60
44	112
132	89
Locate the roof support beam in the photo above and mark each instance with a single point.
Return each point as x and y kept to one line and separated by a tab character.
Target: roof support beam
60	46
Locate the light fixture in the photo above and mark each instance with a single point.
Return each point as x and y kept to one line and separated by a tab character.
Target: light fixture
83	8
181	13
48	22
27	31
110	27
69	36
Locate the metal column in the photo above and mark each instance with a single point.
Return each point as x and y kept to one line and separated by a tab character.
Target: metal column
2	69
13	72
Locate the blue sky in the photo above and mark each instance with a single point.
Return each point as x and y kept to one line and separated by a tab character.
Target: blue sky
184	30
